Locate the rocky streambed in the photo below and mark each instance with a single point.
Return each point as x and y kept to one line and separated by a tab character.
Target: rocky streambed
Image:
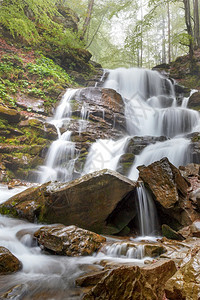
65	261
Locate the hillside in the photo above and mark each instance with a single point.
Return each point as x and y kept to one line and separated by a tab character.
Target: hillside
34	74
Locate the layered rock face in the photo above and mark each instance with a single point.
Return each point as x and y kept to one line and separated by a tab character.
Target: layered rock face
92	202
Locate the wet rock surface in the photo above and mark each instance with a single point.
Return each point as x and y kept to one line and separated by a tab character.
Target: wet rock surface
70	241
134	282
170	191
88	202
8	262
194	101
185	283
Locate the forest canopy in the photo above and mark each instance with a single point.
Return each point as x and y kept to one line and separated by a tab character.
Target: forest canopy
118	33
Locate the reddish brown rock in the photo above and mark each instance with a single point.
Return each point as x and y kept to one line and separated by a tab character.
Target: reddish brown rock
70	241
170	190
133	282
8	262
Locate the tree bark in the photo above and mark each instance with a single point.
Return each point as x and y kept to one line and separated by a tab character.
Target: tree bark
169	33
163	41
190	34
87	19
196	23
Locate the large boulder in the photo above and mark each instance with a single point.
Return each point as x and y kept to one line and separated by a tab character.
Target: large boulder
70	241
8	262
133	282
194	101
185	283
170	191
102	201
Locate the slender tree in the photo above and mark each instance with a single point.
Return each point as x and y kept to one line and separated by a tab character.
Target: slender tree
196	23
87	19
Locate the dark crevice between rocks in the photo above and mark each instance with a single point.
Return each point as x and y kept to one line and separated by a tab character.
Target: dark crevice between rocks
123	215
164	216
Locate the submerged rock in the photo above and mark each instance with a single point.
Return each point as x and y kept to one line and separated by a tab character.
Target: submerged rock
102	201
8	262
170	191
133	282
70	241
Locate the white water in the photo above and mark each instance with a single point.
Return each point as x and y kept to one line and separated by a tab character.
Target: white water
148	219
176	150
151	109
104	154
125	250
85	112
61	156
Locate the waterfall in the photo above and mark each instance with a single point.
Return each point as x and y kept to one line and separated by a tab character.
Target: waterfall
150	109
148	220
104	154
61	156
176	150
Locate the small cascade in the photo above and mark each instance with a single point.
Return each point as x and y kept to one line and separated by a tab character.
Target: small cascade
185	100
174	121
100	82
85	112
125	250
104	154
60	160
176	150
61	156
147	215
134	82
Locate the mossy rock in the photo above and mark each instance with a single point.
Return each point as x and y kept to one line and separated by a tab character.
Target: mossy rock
171	234
11	115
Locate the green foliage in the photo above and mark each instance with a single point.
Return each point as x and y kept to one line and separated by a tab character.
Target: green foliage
41	79
18	16
34	21
45	67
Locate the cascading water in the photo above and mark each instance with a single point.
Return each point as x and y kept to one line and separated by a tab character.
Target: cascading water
148	220
177	155
61	156
104	154
151	109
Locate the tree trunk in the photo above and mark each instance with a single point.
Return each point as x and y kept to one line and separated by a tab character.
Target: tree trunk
196	23
87	19
141	40
169	33
190	34
163	41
